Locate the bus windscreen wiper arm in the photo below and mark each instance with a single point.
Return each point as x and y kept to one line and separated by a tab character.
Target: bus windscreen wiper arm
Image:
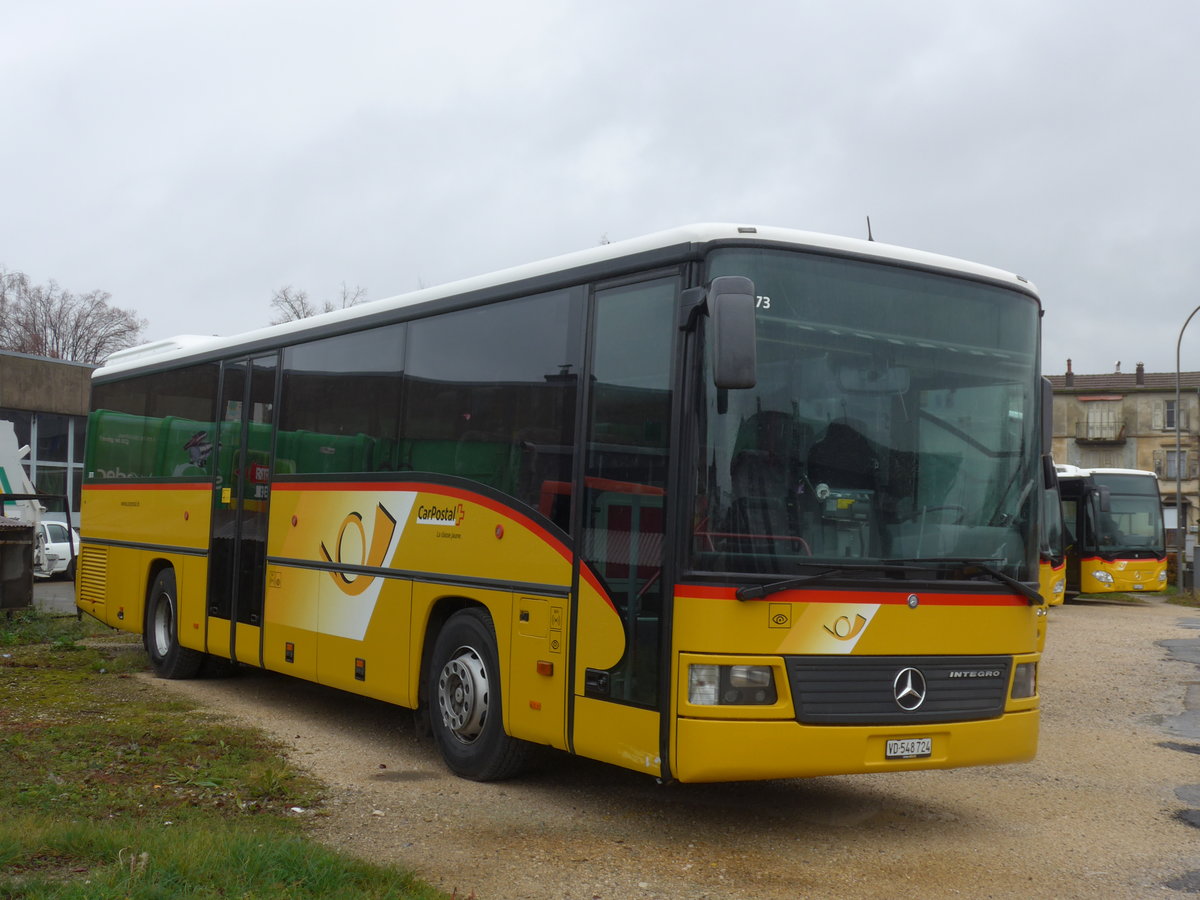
757	591
761	590
1032	596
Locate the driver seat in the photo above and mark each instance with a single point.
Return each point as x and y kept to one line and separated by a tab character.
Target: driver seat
843	459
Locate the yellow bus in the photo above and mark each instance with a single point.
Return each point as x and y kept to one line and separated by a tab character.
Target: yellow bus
1114	530
719	503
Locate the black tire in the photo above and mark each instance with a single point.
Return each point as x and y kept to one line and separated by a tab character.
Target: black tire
464	701
69	573
161	632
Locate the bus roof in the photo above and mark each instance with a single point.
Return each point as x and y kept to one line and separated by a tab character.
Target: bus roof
677	243
1069	471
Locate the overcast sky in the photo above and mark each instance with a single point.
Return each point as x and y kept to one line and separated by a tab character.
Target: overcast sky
192	157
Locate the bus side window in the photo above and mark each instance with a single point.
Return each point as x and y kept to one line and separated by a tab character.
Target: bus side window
489	395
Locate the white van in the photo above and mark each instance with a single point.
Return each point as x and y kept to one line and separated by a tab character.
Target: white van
61	550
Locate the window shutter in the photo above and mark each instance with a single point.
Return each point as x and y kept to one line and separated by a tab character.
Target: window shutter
1158	463
1159	415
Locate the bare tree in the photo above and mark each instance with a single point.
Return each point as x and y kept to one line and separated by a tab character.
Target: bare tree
292	304
13	286
351	297
48	320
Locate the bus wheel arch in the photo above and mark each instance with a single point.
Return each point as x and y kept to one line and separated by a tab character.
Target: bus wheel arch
441	611
463	694
160	630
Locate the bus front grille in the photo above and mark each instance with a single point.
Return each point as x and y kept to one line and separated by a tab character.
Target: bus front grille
890	690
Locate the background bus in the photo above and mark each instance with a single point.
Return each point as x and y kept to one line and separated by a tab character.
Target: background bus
1052	581
720	503
1114	530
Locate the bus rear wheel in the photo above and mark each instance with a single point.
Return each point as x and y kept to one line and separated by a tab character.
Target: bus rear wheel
464	701
161	632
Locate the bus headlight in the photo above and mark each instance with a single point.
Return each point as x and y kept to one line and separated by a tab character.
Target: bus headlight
1162	576
710	685
703	685
1058	586
1024	681
1103	577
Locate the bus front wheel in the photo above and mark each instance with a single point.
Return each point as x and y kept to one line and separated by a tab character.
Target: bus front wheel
161	631
464	701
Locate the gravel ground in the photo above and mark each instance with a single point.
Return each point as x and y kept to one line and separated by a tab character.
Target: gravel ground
1103	811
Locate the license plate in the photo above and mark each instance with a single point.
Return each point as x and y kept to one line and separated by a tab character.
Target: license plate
909	748
1138	587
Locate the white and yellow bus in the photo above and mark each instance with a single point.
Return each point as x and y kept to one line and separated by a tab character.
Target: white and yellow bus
720	503
1115	538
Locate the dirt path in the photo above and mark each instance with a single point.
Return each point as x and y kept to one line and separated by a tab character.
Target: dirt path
1102	812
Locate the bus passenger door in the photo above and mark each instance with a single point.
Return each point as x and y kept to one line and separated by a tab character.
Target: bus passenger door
1072	536
619	633
237	549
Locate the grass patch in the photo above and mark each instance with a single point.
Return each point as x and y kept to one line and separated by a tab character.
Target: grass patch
1184	598
1131	597
111	790
28	626
1172	594
1169	594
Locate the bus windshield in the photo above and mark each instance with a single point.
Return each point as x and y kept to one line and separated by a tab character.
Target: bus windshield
1133	519
893	419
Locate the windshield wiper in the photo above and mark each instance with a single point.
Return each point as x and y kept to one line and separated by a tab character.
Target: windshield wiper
754	592
985	568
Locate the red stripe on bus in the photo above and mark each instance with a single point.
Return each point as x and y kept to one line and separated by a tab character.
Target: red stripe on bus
495	506
1124	559
142	486
883	598
427	488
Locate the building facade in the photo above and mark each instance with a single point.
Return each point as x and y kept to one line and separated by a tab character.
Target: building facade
47	402
1128	420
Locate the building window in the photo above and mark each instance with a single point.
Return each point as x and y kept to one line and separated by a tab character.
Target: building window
1104	421
1171	468
1165	415
53	438
54	463
22	424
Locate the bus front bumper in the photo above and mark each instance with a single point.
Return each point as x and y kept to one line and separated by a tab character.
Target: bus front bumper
724	750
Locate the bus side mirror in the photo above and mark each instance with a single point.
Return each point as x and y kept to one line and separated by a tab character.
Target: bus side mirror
1049	473
1105	498
731	307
